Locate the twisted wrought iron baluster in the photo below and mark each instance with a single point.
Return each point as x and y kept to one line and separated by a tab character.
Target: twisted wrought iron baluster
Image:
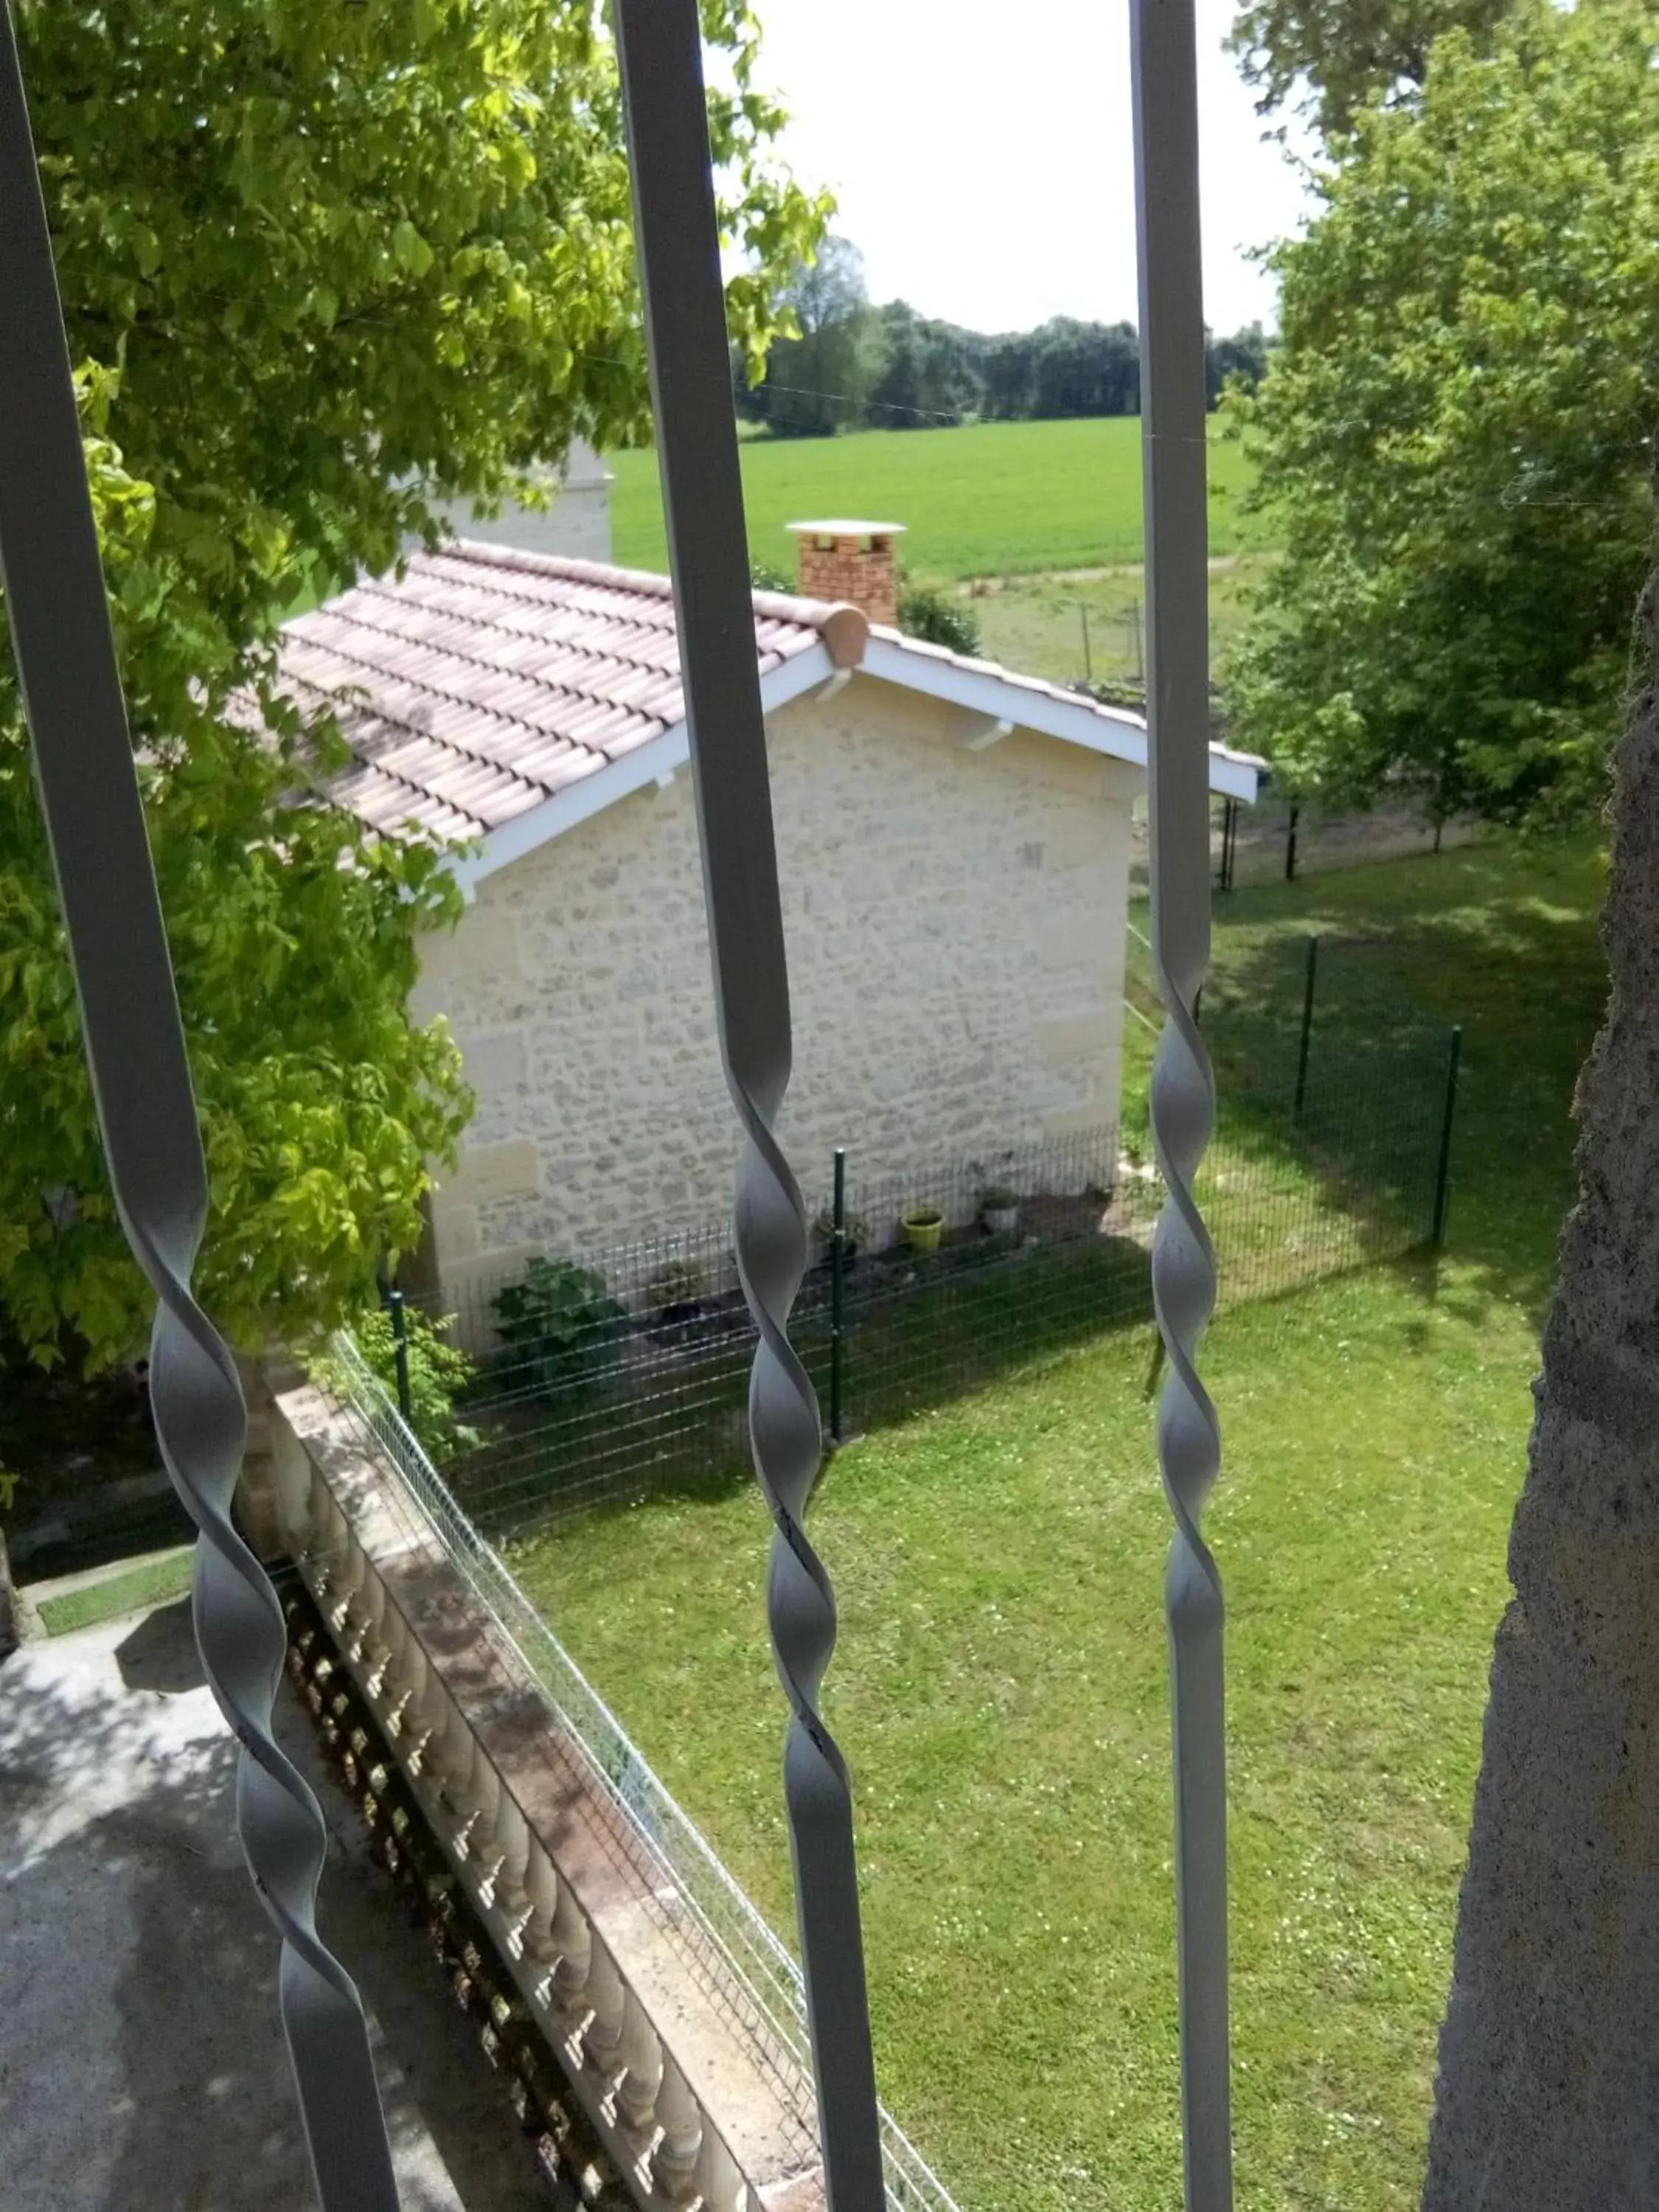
686	326
1164	78
83	765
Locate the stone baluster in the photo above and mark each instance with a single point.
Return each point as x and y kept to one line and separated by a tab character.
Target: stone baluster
719	2183
457	1773
641	2054
482	1838
324	1549
350	1569
512	1843
429	1742
392	1690
675	2161
536	1938
369	1649
307	1517
387	1638
448	1760
572	1940
602	2045
293	1478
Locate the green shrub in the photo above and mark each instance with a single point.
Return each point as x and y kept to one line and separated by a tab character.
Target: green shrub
933	611
559	1326
439	1373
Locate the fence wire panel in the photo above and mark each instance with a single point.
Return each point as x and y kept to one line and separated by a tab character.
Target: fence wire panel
737	1960
610	1376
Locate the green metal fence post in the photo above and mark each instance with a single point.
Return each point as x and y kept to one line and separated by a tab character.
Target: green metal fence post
1088	657
1307	1027
837	1273
1289	843
394	1306
1442	1171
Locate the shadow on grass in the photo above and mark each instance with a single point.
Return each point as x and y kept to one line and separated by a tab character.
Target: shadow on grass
1499	939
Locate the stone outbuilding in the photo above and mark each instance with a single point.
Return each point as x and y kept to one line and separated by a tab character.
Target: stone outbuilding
953	846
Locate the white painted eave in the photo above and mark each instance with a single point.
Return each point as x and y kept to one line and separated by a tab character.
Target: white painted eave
997	697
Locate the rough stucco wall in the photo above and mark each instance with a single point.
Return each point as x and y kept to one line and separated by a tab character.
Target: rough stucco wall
1548	2096
577	523
955	927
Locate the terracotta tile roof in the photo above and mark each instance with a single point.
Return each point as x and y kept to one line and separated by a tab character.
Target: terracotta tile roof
485	679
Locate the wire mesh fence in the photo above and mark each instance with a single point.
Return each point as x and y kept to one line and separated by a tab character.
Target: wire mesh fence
604	1377
739	1962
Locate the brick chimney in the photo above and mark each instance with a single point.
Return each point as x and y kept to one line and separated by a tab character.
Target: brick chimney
851	562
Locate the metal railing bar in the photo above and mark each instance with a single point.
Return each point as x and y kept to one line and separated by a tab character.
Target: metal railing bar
1165	99
677	245
58	619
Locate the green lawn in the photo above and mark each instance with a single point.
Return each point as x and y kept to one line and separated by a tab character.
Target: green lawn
989	499
1067	628
999	1685
154	1581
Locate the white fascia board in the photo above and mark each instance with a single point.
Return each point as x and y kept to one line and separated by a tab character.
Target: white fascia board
1119	736
655	763
1235	776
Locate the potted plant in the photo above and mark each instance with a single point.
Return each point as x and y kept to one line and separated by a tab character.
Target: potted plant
998	1209
923	1226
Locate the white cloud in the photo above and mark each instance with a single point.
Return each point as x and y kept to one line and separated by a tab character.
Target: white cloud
982	158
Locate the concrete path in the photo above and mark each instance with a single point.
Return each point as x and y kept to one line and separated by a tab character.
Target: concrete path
143	2067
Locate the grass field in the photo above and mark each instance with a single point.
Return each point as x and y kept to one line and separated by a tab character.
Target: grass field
990	499
999	1684
155	1581
1069	628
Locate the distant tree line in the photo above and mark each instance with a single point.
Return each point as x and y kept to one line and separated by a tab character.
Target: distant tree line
856	367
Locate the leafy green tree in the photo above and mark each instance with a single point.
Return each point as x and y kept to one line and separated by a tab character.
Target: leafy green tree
1085	369
324	267
819	380
1345	55
931	371
1010	385
1242	359
1457	431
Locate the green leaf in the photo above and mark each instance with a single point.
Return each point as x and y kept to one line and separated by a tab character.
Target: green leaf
409	249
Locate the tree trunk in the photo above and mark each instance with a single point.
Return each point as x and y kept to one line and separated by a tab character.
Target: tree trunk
1547	2094
10	1633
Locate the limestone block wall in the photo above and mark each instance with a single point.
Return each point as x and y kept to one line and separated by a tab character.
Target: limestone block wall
956	930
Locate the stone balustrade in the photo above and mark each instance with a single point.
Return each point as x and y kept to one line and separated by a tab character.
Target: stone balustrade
654	2051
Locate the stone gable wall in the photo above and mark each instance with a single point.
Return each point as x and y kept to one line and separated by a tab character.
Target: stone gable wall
956	930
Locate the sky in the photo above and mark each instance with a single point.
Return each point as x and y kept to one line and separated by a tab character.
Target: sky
982	154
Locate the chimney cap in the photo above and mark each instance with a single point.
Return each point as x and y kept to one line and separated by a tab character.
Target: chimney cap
846	529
